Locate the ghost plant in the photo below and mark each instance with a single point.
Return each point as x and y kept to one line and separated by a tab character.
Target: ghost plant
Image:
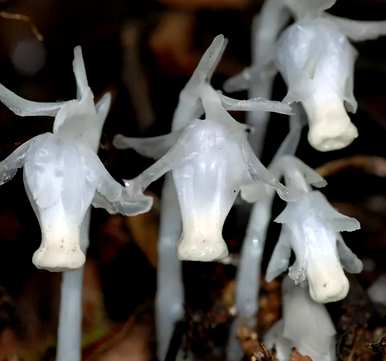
305	325
249	270
63	175
169	298
316	59
311	227
211	161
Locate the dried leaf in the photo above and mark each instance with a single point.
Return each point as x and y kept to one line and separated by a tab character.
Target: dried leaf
369	164
297	356
253	348
144	232
24	18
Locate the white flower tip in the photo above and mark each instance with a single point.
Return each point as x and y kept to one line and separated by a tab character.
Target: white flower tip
330	287
56	259
332	133
204	250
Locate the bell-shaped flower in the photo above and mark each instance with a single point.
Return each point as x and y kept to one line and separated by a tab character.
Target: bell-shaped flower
311	229
316	59
317	62
305	325
211	161
63	175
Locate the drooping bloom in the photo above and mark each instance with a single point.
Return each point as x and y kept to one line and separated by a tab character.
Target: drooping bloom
316	59
211	161
311	229
305	325
63	175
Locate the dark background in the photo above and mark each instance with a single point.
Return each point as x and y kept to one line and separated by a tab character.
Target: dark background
144	52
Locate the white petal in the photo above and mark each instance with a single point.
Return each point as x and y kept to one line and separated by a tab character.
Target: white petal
295	170
359	30
316	60
60	193
350	262
280	257
307	324
10	165
257	104
189	106
154	147
180	153
25	107
80	72
258	173
103	107
111	195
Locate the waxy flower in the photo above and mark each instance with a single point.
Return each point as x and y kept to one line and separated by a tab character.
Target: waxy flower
305	325
316	59
311	229
211	161
63	175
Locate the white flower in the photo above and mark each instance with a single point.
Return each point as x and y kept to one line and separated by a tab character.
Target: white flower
305	325
311	229
317	62
210	160
63	175
316	59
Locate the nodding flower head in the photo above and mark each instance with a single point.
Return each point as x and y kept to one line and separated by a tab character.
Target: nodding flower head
312	336
210	159
317	62
311	229
63	175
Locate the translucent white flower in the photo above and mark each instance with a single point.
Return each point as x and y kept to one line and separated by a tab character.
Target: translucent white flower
317	62
311	229
211	161
305	325
315	57
63	175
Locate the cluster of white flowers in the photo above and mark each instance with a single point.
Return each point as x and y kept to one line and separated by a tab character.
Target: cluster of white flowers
212	161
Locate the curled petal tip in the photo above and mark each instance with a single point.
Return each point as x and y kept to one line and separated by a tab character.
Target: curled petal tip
138	201
119	142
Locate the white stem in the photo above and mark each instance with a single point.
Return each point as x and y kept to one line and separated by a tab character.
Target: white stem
248	275
70	315
265	30
170	297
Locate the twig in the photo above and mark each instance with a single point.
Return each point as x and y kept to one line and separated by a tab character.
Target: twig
369	164
26	19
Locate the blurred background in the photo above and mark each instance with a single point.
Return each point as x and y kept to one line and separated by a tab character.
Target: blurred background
144	52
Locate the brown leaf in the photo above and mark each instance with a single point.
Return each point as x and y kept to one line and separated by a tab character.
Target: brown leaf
144	232
172	43
369	164
23	18
254	349
297	356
